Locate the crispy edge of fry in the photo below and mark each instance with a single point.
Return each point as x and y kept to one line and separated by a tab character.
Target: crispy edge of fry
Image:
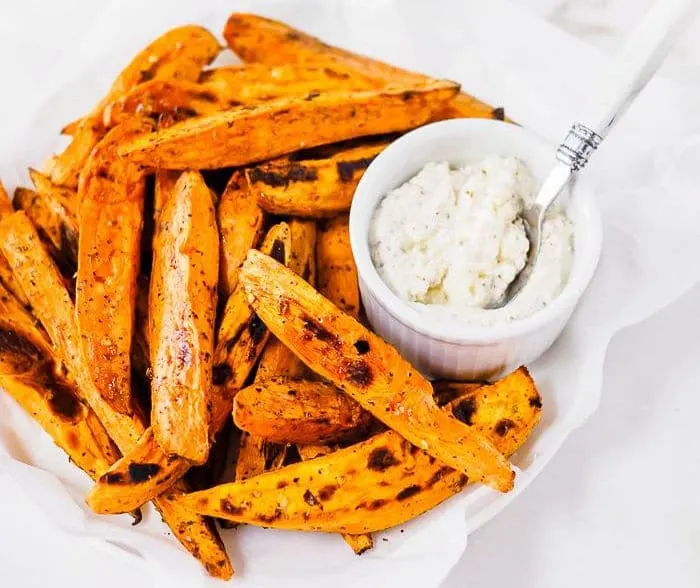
294	410
240	222
330	493
37	275
311	188
109	255
340	349
247	135
182	307
241	338
336	269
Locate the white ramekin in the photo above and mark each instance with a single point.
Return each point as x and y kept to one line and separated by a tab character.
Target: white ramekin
450	349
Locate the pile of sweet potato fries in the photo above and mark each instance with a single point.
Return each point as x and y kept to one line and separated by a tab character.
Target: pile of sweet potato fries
184	265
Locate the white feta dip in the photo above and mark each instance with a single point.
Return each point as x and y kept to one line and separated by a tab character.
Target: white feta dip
451	240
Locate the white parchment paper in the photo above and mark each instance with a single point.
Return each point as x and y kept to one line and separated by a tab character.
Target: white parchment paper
646	177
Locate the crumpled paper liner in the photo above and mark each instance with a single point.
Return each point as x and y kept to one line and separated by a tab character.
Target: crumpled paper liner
646	177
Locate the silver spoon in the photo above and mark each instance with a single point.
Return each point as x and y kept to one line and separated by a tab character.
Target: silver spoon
637	63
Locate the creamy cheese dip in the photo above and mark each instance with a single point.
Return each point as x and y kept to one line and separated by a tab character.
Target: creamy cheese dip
451	240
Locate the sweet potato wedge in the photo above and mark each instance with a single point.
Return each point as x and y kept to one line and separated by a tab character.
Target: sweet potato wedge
240	225
37	275
340	349
247	135
240	340
331	493
31	373
256	39
337	273
257	83
293	410
445	392
242	336
179	54
111	194
197	534
182	307
315	189
256	454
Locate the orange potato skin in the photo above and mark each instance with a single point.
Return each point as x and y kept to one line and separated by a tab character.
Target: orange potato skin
111	194
247	135
340	349
182	307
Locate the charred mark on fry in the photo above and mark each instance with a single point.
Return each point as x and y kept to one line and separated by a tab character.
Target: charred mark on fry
437	476
376	504
142	472
221	373
361	346
465	410
358	372
535	401
346	169
381	459
269	518
112	478
407	95
314	330
278	179
310	499
12	342
277	252
503	426
311	95
327	492
407	492
498	113
229	508
256	328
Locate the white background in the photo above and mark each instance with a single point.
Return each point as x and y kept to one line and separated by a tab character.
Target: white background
617	506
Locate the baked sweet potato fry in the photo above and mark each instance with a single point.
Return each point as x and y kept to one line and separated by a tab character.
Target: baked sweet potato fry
256	39
312	188
337	273
257	83
247	135
182	311
256	454
376	484
31	373
179	54
240	225
37	275
340	349
293	410
111	196
240	340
